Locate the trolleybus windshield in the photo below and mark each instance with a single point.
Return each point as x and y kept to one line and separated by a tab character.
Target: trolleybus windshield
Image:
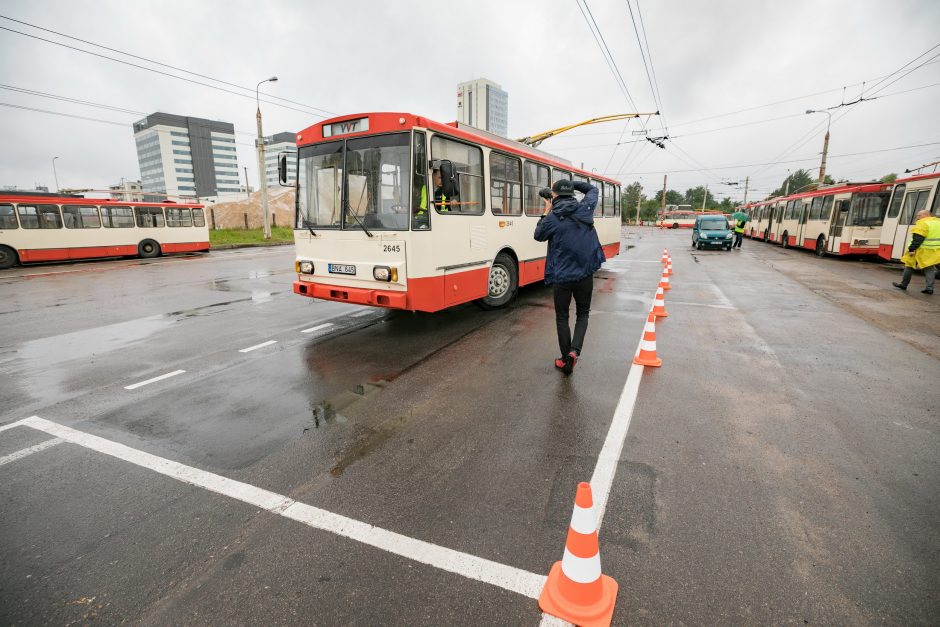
366	176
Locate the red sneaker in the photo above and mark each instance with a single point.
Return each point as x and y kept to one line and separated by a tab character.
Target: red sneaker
570	360
560	363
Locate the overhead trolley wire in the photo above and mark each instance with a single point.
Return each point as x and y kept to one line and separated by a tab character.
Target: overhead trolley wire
142	67
166	65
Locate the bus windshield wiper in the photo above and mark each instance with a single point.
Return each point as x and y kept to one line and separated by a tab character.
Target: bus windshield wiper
307	226
358	221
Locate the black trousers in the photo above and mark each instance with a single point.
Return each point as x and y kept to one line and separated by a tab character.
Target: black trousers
737	240
581	290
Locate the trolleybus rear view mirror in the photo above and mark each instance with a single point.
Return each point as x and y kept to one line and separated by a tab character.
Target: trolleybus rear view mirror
282	167
449	187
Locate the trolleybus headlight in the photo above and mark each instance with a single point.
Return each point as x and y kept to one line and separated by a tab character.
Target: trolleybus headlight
304	267
384	273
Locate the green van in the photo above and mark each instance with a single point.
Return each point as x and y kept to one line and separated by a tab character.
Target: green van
711	232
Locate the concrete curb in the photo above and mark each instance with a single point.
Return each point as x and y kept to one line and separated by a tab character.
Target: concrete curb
251	245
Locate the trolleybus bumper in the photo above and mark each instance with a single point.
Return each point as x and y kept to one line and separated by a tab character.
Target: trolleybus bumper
357	295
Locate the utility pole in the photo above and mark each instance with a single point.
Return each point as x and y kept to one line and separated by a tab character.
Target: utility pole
638	207
746	181
822	165
662	211
247	184
786	185
264	184
705	197
55	174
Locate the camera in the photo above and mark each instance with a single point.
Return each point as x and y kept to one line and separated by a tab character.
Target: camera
545	193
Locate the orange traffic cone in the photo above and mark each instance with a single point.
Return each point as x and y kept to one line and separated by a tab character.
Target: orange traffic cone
575	590
647	356
669	268
659	304
664	281
665	256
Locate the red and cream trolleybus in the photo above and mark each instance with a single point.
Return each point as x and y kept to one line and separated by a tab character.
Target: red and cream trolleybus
59	227
395	210
837	220
678	217
909	196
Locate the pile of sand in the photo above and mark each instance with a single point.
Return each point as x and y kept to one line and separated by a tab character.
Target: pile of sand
234	214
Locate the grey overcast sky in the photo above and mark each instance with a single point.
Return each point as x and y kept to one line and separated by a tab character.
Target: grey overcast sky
711	60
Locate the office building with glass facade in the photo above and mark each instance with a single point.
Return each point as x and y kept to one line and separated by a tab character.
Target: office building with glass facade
186	157
483	104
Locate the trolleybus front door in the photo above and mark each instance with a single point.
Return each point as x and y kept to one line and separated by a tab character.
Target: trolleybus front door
837	224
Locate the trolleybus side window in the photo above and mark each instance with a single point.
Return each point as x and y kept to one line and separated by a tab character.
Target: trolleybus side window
868	209
199	217
599	207
178	216
7	217
558	175
117	217
536	177
895	208
505	185
319	181
815	208
609	206
913	202
826	212
935	209
378	182
468	163
40	216
421	195
150	217
81	217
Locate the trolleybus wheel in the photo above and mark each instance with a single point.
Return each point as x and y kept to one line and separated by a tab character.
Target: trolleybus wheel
148	249
786	240
821	246
675	225
503	282
8	257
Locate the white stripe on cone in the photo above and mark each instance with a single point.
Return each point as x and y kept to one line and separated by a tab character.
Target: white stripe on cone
583	521
647	345
581	569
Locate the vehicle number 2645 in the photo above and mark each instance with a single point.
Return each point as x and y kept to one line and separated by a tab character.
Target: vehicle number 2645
391	248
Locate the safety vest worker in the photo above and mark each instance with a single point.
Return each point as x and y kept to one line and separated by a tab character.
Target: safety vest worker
739	226
923	251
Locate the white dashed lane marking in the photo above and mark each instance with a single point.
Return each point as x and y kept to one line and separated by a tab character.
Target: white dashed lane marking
319	327
134	386
257	346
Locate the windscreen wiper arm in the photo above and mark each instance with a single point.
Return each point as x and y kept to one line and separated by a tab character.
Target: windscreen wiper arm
307	226
358	221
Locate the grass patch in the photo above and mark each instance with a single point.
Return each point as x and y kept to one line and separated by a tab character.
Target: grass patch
243	237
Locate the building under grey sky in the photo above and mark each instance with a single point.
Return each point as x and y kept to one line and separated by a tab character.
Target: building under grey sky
483	104
184	156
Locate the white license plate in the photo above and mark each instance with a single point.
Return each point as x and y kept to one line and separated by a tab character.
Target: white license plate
341	268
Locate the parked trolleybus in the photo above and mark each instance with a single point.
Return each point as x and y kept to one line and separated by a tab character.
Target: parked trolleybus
57	227
837	220
678	217
909	196
398	211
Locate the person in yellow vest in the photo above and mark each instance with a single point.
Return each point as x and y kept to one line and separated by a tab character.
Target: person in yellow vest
421	219
923	251
738	232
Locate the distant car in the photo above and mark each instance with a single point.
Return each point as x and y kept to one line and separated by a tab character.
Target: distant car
711	232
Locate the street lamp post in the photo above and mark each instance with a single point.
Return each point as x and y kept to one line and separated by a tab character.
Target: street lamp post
822	165
263	183
56	175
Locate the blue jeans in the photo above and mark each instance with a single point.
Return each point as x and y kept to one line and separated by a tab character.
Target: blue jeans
738	238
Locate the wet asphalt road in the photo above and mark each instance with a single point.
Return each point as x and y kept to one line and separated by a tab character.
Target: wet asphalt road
782	465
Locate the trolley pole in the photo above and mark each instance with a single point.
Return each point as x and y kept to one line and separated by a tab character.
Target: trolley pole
748	180
263	183
662	210
56	175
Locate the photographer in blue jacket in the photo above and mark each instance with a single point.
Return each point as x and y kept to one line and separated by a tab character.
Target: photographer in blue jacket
574	255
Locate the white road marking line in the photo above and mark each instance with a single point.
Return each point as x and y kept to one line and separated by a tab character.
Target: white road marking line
134	386
360	314
500	575
676	302
325	325
257	346
18	423
12	457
